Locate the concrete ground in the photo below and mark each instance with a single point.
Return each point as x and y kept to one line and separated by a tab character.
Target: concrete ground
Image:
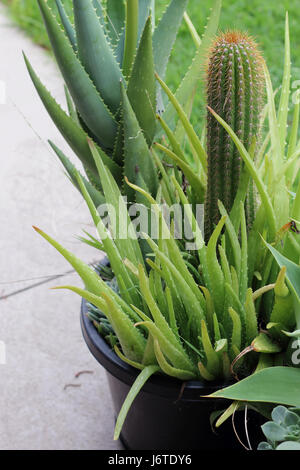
39	329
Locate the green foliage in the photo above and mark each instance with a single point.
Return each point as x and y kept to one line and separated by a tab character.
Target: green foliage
283	432
112	96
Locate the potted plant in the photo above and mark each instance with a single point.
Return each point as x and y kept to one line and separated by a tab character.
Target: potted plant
190	319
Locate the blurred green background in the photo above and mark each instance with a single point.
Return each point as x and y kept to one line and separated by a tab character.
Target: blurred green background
263	19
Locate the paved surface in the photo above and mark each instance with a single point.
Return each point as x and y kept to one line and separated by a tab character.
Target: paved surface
39	328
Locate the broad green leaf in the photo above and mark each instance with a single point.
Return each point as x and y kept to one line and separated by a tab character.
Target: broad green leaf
87	100
101	67
271	385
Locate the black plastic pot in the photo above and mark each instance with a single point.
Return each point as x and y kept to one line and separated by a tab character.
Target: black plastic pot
164	416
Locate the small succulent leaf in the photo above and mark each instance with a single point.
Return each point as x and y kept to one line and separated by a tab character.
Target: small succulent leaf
86	98
274	432
265	446
101	67
288	445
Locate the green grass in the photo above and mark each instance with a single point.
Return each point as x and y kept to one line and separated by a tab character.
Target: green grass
263	19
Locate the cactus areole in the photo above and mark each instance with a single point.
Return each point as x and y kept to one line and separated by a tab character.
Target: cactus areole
235	84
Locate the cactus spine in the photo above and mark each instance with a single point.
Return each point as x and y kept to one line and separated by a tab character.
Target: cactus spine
234	91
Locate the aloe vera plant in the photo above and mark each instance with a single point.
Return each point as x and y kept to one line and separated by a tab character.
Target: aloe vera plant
108	59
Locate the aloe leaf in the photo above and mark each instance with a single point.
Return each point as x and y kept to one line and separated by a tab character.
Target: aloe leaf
273	123
131	363
115	13
243	277
97	196
131	34
236	336
71	108
270	385
271	219
191	134
194	74
72	133
135	388
67	24
137	156
285	89
167	368
157	315
125	235
126	280
172	139
132	341
99	10
214	269
212	358
90	278
188	171
176	354
165	34
141	89
193	32
87	100
251	317
101	67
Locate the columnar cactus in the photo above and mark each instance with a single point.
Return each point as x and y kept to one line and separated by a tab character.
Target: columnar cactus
234	91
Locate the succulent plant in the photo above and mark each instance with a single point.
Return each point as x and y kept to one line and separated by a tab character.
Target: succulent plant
283	432
235	84
108	59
